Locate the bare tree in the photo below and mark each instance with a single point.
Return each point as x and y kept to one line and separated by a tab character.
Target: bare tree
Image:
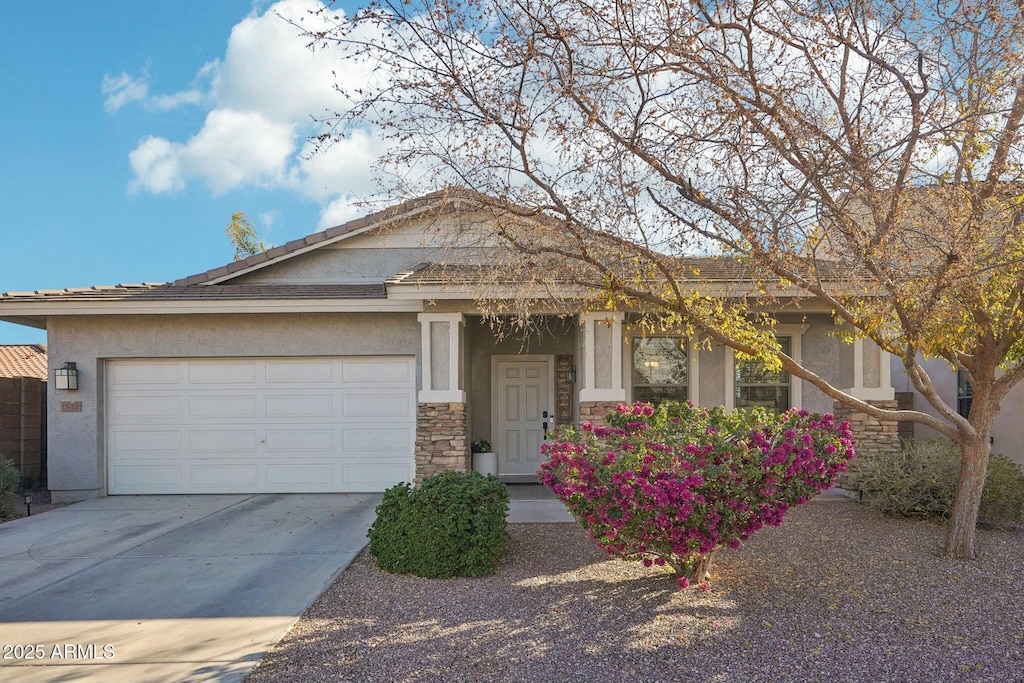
864	153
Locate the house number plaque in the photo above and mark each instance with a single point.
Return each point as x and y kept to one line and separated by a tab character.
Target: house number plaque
70	406
563	389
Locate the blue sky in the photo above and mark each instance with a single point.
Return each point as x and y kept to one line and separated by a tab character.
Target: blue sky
131	134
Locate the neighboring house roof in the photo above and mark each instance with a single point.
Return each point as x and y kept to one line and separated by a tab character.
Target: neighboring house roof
23	360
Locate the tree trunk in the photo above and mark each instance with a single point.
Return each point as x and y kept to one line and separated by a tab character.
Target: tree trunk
702	568
960	538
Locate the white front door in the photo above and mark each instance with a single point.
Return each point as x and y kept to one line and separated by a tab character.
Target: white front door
523	395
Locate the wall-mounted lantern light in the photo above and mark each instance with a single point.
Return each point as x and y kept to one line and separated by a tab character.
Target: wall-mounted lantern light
66	377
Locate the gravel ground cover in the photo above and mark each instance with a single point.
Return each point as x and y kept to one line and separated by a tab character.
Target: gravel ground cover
838	593
40	504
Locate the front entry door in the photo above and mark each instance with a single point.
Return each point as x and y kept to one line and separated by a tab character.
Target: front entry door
522	394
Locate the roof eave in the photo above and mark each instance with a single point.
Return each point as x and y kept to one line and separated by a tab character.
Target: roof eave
21	312
37	322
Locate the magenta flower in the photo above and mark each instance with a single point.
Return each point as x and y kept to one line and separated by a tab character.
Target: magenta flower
700	480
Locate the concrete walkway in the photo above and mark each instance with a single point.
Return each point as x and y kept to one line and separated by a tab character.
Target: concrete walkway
167	588
535	504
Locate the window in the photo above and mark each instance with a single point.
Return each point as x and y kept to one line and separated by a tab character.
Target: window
964	393
755	385
660	369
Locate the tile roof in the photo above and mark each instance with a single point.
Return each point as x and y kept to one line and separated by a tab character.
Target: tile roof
23	360
690	269
173	292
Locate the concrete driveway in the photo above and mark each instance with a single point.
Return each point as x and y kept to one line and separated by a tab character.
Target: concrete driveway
167	588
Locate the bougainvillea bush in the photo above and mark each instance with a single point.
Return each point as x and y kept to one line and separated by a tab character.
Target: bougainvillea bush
670	485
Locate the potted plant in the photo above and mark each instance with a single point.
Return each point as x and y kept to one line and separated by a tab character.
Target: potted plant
485	460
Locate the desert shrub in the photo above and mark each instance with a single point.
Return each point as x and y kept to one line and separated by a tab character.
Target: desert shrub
920	481
670	485
10	478
454	524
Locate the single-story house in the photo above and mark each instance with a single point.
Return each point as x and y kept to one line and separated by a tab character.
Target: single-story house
350	360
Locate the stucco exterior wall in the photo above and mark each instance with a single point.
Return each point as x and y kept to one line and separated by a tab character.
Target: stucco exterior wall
76	464
712	375
341	266
1008	430
822	353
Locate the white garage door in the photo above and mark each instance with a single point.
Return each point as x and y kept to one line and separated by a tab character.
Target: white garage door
255	425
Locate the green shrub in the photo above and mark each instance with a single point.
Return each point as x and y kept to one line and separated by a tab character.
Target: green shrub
920	481
454	524
10	478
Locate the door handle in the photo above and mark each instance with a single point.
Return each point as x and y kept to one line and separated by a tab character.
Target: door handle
544	423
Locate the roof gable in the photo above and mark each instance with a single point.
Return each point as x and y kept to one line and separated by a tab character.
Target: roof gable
436	202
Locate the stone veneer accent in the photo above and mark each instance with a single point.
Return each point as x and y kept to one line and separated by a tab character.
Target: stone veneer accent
872	436
594	411
441	444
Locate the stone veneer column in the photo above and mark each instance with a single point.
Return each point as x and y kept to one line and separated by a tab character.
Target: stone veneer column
872	436
595	411
864	370
441	433
441	417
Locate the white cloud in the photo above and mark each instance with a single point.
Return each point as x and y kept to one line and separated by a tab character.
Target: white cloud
263	95
339	210
269	68
122	89
175	100
232	149
268	218
238	148
347	165
156	166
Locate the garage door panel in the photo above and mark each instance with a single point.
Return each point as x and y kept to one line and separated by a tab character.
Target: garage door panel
146	374
306	440
305	475
373	440
147	443
376	372
222	440
299	406
134	406
224	406
377	405
221	373
154	478
300	372
378	476
222	476
252	425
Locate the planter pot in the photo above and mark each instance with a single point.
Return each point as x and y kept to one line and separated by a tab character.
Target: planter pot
485	463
